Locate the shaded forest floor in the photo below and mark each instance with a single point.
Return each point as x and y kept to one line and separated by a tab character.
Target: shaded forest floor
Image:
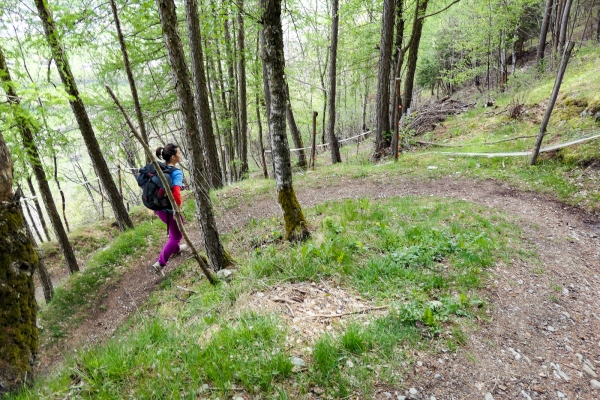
543	317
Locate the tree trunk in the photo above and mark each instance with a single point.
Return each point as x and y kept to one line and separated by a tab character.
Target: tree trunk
294	131
260	139
35	160
18	262
544	32
32	223
43	274
85	125
267	92
295	224
38	209
202	105
204	210
216	119
382	122
243	142
334	146
62	194
557	24
564	24
415	40
233	99
132	87
559	77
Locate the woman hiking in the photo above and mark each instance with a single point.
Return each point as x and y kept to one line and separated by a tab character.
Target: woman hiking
171	154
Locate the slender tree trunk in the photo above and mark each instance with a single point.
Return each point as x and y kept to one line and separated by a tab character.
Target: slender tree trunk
216	119
132	87
295	224
243	144
233	98
204	210
267	92
85	125
19	334
557	24
294	131
35	160
43	274
415	40
544	32
564	24
62	194
334	146
201	95
382	122
38	209
559	77
260	139
33	224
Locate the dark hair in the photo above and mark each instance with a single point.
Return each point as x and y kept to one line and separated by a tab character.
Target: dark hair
166	152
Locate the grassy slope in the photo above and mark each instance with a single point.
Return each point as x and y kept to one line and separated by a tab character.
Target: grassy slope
424	258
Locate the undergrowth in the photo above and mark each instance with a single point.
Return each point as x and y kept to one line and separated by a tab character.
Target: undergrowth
424	259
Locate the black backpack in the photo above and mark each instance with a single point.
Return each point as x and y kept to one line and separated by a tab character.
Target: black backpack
153	192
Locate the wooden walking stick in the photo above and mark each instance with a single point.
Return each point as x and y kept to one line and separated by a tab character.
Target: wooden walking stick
200	259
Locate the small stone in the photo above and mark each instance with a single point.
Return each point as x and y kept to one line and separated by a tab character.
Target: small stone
432	167
595	384
437	376
205	387
238	398
225	275
420	363
387	395
349	364
298	362
579	357
517	356
432	398
569	348
488	396
561	395
413	391
528	397
399	397
589	371
550	328
566	291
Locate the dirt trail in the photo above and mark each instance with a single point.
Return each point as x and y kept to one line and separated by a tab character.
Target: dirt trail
543	338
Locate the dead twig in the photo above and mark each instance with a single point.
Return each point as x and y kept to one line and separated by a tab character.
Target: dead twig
185	289
346	313
508	140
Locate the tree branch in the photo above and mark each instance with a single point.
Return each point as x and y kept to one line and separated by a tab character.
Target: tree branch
440	11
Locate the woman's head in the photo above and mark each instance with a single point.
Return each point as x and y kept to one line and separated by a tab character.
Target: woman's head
168	152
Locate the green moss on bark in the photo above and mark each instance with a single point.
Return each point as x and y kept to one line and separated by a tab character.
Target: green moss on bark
295	224
18	308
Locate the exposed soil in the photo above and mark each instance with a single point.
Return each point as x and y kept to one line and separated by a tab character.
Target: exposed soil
544	319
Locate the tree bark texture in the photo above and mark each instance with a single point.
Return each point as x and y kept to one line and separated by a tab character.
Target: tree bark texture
411	67
204	210
209	66
294	131
334	146
132	86
38	209
201	95
274	61
382	121
544	32
559	77
243	103
83	120
34	159
260	139
266	90
18	308
32	224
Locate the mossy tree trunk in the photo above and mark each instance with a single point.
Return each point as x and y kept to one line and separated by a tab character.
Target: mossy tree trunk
219	258
34	158
18	308
273	58
81	115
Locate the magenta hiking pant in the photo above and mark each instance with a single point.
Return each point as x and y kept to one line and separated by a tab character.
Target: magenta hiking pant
172	245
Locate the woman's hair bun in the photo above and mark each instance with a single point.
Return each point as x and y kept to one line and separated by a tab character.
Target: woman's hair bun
159	151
